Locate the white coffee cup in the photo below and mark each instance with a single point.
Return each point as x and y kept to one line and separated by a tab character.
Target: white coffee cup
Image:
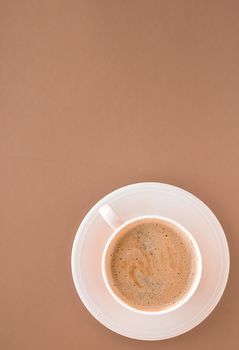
117	225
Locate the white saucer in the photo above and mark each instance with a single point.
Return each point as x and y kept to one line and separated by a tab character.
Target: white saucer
150	198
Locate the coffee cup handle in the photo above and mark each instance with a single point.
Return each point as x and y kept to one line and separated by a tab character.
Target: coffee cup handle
110	217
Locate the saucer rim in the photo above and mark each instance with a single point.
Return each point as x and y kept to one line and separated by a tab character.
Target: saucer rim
215	298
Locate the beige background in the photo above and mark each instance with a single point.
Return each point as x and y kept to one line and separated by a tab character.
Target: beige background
95	95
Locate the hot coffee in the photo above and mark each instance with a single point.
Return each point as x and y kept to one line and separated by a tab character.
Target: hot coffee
151	264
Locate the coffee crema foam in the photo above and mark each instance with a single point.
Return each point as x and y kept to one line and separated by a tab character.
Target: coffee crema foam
151	265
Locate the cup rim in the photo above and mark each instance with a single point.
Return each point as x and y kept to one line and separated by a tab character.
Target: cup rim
181	301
